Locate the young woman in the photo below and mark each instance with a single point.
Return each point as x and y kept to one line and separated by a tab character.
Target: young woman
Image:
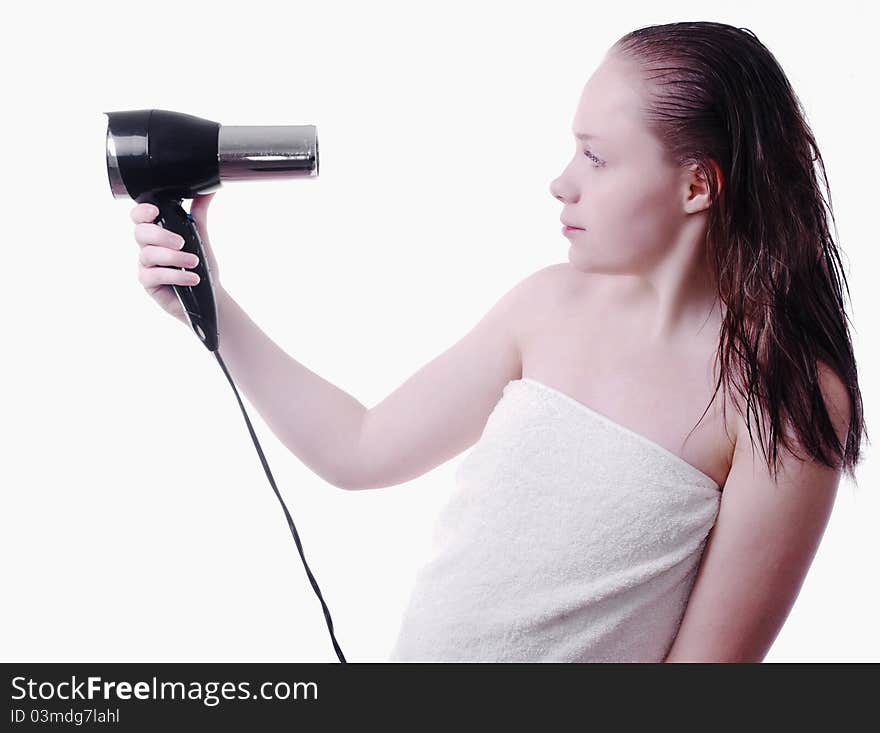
661	422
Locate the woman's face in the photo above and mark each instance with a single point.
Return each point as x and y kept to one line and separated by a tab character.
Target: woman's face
617	186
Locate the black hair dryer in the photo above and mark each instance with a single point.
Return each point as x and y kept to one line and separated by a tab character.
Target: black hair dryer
159	157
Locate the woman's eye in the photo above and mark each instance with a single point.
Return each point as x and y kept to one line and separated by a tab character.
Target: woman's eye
593	158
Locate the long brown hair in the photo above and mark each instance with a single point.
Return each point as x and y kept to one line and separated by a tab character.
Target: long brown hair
717	94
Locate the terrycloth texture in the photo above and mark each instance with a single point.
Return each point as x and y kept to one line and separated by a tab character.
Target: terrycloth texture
568	538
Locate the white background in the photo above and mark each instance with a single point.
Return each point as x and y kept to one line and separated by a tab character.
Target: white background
137	521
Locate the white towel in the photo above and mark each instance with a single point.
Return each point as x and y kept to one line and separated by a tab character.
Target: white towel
568	538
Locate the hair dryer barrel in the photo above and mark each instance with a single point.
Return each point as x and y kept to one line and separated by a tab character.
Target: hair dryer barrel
156	151
278	151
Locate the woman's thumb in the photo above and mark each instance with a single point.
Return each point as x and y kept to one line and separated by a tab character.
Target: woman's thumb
199	208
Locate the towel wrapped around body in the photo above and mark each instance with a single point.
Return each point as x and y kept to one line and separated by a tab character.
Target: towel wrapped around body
568	538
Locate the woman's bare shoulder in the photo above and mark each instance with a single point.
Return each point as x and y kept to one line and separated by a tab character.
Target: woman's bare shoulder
543	296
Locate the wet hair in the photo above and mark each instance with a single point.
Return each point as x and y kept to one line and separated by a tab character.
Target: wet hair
716	96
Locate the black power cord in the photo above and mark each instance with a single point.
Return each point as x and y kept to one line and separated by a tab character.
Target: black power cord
286	513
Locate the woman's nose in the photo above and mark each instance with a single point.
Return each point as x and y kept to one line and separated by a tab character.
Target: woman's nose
562	191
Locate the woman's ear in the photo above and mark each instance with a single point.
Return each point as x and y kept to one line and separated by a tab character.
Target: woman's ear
697	193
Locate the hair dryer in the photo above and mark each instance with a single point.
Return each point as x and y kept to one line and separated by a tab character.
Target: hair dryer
160	157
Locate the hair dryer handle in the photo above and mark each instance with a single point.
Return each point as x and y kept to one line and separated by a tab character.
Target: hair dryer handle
197	300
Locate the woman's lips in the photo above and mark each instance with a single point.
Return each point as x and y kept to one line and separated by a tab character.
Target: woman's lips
570	230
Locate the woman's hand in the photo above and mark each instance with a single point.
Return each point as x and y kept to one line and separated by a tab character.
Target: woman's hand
160	255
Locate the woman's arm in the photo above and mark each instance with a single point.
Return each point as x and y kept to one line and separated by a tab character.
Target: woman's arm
760	549
313	418
435	414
